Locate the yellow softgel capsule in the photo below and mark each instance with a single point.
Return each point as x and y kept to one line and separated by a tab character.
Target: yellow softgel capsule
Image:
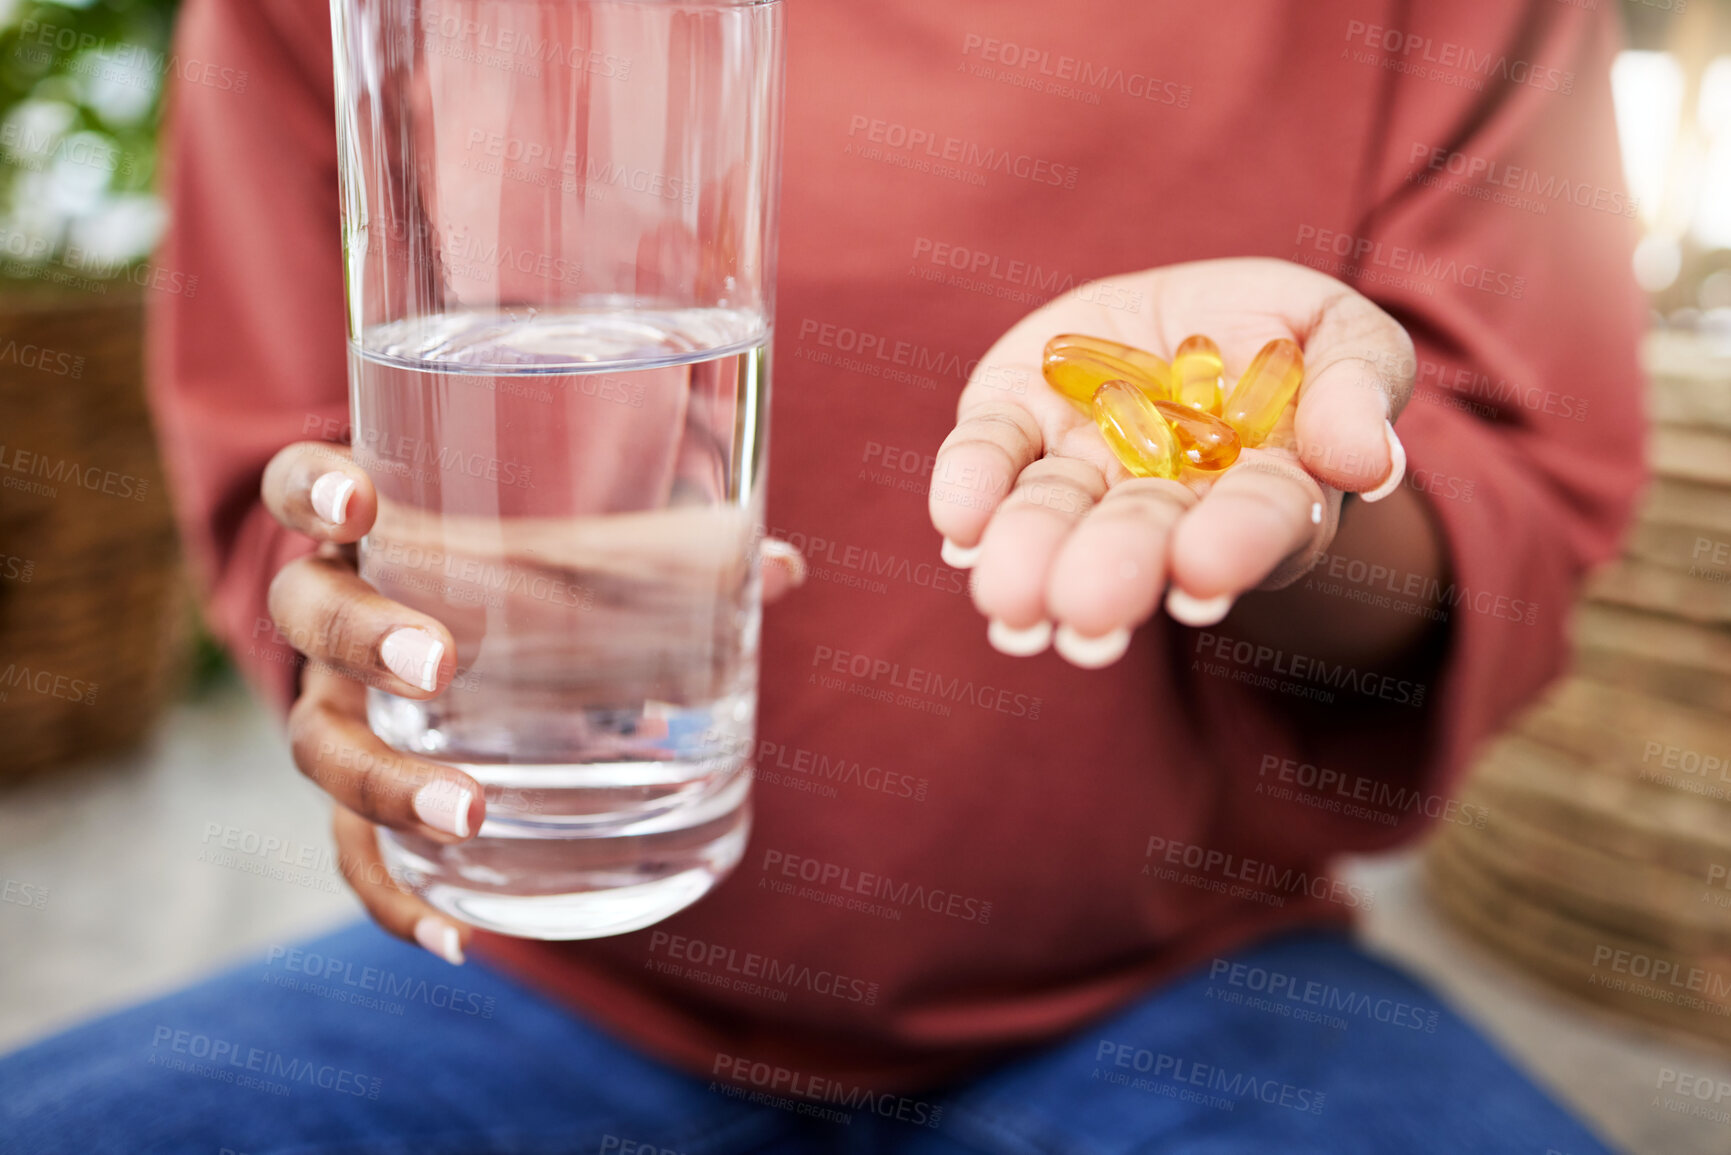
1199	375
1263	393
1138	435
1078	375
1127	363
1205	442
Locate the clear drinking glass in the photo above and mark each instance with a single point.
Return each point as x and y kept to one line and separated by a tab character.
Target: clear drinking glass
559	222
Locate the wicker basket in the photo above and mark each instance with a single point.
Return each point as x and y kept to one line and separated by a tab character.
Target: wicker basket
92	601
1604	865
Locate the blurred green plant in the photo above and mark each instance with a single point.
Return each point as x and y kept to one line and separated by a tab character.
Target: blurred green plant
81	85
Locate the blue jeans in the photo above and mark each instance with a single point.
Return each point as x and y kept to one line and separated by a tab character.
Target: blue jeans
1303	1044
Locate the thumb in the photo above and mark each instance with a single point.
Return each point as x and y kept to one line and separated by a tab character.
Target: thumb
783	568
1358	376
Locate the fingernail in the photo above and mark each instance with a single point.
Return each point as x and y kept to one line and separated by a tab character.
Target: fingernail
1195	611
413	655
445	806
1396	468
783	552
440	938
1091	653
958	556
1019	643
330	496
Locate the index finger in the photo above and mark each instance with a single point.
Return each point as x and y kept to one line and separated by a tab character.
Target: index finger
975	468
405	915
315	488
1358	371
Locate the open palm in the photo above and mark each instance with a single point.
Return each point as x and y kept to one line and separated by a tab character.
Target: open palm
1058	533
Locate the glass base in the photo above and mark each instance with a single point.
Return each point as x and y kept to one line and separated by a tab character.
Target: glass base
559	889
563	917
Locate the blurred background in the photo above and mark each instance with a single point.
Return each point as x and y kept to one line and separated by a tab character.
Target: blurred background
152	827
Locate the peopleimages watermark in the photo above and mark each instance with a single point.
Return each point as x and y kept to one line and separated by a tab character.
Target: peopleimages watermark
128	65
1389	262
1692	1093
467	254
1307	1000
881	680
1071	77
1223	872
314	866
1717	876
54	362
253	1067
1447	61
1716	553
326	976
1696	766
911	470
457	36
1465	388
782	871
798	1087
926	150
1488	178
1012	279
37	151
31	472
611	1144
46	683
879	355
748	972
1359	795
832	771
25	894
350	657
1180	1072
1299	675
893	467
570	170
400	456
1421	595
1661	979
865	568
26	255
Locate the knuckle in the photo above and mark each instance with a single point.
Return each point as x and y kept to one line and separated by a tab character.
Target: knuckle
280	596
308	728
368	792
1056	488
1267	500
342	632
981	421
1148	496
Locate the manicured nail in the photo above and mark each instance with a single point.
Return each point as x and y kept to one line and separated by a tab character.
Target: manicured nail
413	655
1091	653
958	556
1195	611
783	552
440	938
1396	468
330	496
1019	643
445	806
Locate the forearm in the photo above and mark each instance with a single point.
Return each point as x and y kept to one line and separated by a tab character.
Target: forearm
1370	601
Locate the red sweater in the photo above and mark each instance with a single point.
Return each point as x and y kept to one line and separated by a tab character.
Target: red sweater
956	851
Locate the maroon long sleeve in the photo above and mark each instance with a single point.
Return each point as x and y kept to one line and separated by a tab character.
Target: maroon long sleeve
957	851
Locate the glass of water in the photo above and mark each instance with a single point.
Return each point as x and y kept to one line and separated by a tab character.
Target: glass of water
559	222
